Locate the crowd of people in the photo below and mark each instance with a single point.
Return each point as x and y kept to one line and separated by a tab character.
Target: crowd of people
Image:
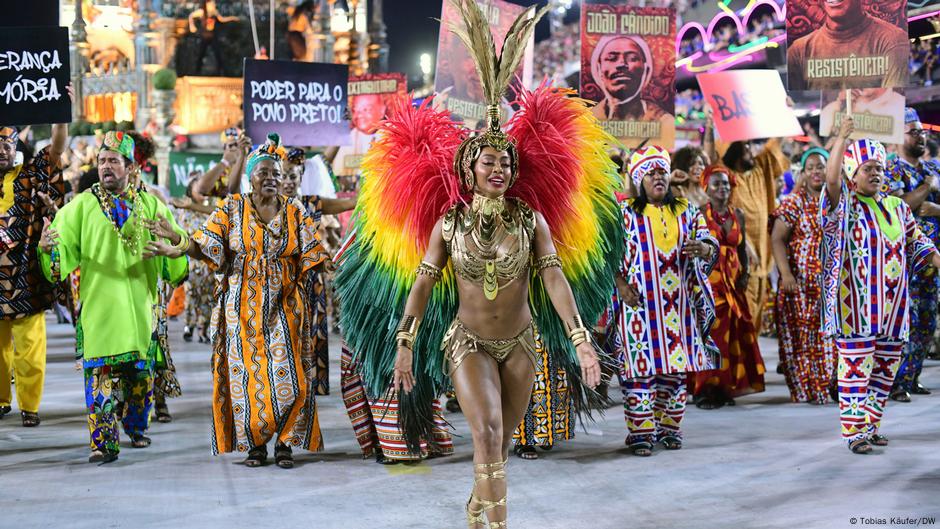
465	270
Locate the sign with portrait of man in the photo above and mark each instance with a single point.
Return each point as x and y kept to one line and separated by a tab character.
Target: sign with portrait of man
456	80
840	44
628	67
369	98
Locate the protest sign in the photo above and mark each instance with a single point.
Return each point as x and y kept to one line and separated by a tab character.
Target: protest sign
456	77
878	113
369	97
34	74
303	102
182	164
843	44
17	13
748	104
628	67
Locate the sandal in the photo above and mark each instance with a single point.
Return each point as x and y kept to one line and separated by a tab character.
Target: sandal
476	516
256	457
382	460
30	419
5	410
102	456
860	446
140	441
283	456
452	405
900	396
878	440
525	452
671	442
642	449
706	403
187	334
163	413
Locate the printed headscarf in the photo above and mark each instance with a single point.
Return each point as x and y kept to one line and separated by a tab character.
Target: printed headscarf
119	142
269	150
9	135
296	156
645	160
718	168
910	116
860	152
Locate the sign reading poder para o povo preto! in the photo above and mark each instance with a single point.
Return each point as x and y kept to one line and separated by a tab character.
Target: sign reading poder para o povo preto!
305	103
34	74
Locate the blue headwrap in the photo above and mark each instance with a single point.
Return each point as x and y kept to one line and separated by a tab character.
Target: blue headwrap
269	150
910	116
811	151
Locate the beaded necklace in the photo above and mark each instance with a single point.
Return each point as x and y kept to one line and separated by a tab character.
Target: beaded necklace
106	200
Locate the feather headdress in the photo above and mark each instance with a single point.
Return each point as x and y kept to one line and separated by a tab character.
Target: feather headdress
495	72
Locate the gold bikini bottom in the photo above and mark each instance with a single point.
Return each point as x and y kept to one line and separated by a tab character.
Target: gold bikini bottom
459	342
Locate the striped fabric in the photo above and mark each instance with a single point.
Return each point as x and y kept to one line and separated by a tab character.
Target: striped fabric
376	423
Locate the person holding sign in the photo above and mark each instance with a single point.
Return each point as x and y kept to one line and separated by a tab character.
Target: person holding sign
29	193
120	271
871	246
265	246
807	356
664	307
917	181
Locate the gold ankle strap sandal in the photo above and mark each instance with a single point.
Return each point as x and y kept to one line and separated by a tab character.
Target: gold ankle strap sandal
486	471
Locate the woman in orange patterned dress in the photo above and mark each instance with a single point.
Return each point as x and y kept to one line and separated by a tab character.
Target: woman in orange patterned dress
742	368
265	246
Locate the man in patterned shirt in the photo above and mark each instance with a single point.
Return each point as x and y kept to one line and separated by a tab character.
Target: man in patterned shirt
29	193
918	183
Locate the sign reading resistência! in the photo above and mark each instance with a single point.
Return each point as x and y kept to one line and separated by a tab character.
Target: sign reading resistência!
34	74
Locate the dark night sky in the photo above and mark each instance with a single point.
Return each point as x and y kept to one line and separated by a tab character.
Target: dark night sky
413	30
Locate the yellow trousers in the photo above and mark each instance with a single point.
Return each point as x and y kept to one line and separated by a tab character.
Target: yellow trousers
23	352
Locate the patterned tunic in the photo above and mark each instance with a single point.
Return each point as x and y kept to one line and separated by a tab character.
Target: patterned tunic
262	368
668	332
867	262
23	290
807	354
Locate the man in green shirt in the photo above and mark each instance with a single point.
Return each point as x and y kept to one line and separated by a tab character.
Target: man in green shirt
107	233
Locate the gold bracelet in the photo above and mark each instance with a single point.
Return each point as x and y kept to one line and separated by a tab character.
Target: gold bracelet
427	269
547	261
183	245
578	333
407	331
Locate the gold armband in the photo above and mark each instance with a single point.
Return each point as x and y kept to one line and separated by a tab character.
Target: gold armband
578	333
547	261
407	331
427	269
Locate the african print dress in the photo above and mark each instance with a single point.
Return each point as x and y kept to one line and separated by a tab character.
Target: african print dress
742	368
808	356
871	246
925	287
200	284
317	308
669	332
262	366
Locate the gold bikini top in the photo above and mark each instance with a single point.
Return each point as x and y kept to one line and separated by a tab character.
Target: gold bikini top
489	242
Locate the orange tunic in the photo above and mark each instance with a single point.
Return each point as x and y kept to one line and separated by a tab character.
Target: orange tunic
262	369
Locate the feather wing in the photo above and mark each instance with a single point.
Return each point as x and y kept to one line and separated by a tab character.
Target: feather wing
407	185
566	174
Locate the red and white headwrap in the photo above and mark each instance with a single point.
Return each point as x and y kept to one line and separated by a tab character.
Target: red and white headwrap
645	160
860	152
